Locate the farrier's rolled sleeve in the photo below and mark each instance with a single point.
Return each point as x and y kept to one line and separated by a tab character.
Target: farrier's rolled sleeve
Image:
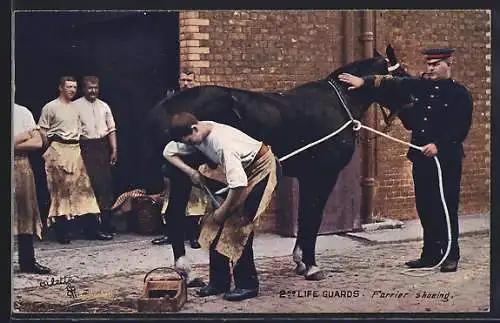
235	174
176	148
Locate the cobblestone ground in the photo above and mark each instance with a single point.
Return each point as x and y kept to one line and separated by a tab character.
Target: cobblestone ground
364	279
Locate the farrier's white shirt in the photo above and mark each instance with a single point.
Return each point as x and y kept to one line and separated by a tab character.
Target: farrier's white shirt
22	120
96	118
225	146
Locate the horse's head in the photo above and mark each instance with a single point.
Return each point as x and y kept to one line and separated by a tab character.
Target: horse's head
376	65
360	99
392	101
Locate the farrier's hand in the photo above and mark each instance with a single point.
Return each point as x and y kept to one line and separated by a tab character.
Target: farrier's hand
219	216
197	178
354	81
430	150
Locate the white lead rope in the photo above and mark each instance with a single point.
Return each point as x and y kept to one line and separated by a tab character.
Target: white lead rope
225	189
357	126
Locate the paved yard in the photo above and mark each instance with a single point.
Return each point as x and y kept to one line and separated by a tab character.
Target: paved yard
362	278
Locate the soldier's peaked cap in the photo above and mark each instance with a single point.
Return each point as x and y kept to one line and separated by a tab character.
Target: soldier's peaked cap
436	54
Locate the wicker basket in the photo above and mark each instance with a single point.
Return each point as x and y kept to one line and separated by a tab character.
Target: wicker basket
148	215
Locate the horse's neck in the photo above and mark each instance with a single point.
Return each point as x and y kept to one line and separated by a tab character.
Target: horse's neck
356	102
362	101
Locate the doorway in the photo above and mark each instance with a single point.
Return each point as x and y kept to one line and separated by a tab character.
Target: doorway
134	54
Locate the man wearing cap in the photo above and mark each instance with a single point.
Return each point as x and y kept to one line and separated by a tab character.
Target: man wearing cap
440	119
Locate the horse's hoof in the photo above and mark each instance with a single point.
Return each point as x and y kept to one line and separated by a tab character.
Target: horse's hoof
297	255
314	273
300	269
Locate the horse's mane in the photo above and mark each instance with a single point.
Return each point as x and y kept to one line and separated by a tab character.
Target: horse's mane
355	67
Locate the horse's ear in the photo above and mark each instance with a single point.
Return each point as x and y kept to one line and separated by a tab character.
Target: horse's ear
376	53
391	55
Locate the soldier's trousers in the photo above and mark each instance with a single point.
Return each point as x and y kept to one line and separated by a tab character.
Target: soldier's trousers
430	207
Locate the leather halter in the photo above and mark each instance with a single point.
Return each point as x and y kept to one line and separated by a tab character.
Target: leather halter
387	117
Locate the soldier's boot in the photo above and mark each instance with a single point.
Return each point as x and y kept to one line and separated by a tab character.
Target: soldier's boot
430	257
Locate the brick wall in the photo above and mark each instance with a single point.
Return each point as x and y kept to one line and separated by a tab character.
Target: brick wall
277	50
469	32
262	50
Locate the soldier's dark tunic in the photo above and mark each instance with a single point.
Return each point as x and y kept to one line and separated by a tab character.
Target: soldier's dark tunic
441	113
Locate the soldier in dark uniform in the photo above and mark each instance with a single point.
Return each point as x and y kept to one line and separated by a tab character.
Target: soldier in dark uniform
439	118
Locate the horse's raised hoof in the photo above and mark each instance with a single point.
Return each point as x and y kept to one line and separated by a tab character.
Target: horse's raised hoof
314	273
301	268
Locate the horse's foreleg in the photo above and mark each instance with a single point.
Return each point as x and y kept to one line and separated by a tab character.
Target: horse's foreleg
180	188
314	191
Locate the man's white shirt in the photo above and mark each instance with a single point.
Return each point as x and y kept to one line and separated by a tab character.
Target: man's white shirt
226	146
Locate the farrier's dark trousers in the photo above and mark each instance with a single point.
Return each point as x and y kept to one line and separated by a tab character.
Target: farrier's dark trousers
244	271
429	204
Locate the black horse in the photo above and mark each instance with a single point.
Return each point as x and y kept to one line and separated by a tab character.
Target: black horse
286	121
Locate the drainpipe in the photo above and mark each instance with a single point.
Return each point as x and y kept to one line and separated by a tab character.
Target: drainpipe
348	34
368	145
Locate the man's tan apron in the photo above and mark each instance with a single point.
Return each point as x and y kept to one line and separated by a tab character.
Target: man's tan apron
197	204
69	185
238	227
26	218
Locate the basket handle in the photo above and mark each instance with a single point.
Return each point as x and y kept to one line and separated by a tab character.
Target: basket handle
169	268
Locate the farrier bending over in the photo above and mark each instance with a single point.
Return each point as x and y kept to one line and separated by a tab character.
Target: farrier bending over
251	173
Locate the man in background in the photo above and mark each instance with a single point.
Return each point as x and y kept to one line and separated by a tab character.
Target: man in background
71	193
99	146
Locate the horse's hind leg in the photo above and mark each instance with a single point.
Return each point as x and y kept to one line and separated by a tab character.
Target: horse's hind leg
314	191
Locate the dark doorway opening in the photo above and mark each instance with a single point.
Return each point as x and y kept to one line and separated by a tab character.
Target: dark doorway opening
135	55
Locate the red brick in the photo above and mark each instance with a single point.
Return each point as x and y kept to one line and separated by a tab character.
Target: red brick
277	50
